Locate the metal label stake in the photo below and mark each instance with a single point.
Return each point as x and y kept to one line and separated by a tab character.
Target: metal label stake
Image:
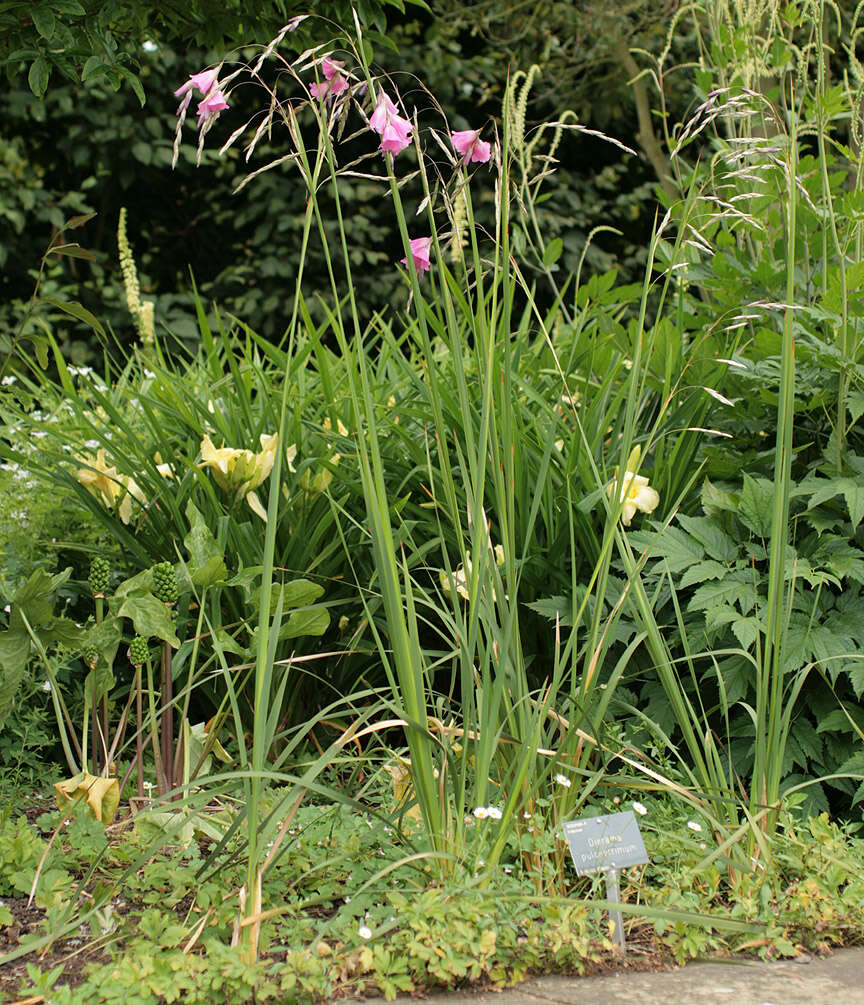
606	844
613	895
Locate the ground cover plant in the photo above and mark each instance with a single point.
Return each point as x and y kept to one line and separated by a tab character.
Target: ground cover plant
339	628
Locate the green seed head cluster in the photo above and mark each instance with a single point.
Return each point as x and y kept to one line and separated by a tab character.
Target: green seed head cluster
91	656
98	578
139	651
164	583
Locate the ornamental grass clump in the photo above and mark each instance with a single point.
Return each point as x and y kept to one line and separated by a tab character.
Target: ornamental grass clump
486	453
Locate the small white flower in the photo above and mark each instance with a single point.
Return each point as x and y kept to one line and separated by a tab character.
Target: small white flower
640	809
46	686
8	380
481	813
694	826
526	815
365	932
493	812
563	780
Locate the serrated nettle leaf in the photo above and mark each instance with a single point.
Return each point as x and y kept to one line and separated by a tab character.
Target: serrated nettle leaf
672	546
722	614
151	617
734	589
702	572
746	630
756	504
713	538
553	608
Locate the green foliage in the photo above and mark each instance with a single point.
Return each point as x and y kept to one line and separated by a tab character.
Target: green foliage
103	40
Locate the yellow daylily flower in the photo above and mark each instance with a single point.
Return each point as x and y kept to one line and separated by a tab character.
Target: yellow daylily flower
106	483
462	573
636	494
241	471
102	795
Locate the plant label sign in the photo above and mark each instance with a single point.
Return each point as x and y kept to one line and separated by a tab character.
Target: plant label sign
605	843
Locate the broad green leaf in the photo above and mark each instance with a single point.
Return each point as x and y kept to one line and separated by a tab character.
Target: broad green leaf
155	825
205	556
553	251
142	582
38	75
300	593
312	621
855	406
855	672
71	251
94	65
105	638
74	222
97	684
36	596
297	593
61	631
43	21
14	656
151	618
75	310
722	614
134	82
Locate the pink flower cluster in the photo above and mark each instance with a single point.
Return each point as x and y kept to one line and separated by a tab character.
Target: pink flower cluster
470	147
395	130
214	100
334	83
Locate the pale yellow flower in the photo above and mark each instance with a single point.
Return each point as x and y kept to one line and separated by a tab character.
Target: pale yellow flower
462	573
340	426
106	483
241	471
636	494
